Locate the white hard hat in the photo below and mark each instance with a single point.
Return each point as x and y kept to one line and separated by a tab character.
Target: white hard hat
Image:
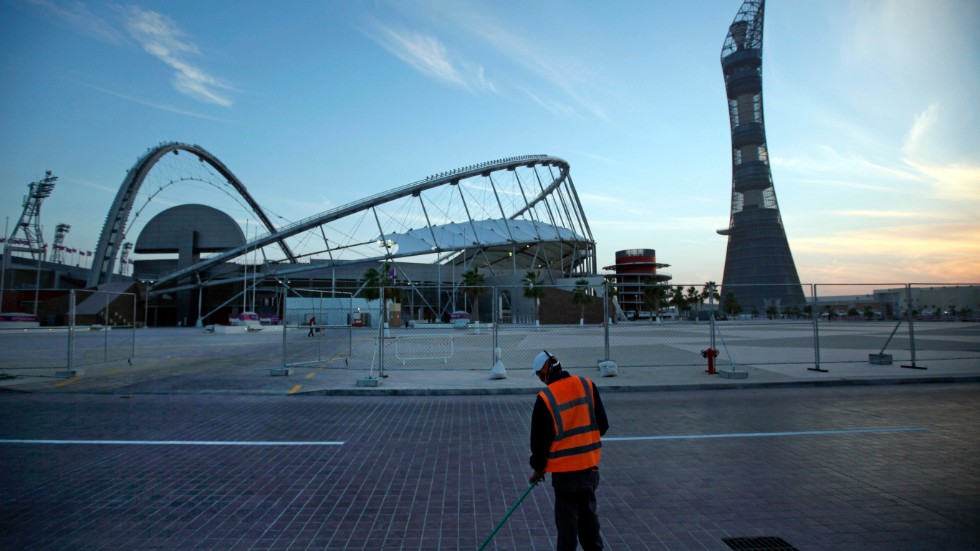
539	362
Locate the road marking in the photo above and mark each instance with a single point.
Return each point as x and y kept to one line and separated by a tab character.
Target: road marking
295	388
68	381
310	374
757	434
172	443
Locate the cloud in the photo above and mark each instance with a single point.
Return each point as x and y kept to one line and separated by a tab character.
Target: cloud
160	37
923	121
428	55
864	213
160	106
80	19
562	85
570	77
953	181
947	252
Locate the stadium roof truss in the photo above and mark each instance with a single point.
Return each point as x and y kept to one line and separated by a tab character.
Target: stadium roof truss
504	216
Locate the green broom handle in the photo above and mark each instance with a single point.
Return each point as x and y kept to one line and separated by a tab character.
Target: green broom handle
507	516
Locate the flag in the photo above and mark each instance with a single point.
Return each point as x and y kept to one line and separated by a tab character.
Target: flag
88	253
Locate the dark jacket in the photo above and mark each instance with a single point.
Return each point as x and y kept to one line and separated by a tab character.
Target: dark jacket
543	434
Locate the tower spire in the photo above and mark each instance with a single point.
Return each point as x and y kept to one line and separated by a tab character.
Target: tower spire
759	267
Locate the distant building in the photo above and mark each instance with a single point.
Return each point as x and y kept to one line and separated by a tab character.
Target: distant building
635	269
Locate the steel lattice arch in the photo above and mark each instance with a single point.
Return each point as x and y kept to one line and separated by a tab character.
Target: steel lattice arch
503	217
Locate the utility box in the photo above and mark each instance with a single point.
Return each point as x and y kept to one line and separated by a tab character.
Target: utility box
356	319
395	315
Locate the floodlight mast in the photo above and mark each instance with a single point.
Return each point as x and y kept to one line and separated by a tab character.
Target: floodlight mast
30	220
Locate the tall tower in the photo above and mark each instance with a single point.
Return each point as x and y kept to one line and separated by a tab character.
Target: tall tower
635	270
759	268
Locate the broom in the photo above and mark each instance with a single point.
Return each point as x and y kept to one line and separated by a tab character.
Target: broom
507	516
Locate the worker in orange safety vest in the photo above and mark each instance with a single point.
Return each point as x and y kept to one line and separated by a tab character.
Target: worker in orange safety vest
566	428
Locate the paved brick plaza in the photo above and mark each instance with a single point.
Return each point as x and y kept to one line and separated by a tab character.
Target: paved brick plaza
395	472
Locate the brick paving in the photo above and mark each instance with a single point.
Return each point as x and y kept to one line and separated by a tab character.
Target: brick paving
439	472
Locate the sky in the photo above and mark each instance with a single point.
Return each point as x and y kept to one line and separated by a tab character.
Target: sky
870	105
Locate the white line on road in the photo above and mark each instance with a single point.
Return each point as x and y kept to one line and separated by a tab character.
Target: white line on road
757	434
171	443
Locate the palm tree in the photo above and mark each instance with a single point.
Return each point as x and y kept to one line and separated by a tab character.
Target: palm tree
473	285
694	298
732	307
772	312
582	297
375	279
677	299
533	290
653	297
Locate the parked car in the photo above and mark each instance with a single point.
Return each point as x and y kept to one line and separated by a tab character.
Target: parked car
245	318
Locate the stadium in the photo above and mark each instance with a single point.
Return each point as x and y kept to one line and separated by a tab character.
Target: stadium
501	221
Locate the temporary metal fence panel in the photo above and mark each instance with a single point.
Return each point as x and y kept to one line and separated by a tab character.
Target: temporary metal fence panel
317	330
945	323
433	328
896	324
765	334
39	339
104	327
76	328
455	327
32	348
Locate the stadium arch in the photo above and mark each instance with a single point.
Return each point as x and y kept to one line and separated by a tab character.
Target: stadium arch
113	231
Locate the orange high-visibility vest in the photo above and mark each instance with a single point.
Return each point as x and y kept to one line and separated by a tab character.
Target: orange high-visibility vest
576	445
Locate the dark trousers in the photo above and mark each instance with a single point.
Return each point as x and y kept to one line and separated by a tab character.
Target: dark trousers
575	510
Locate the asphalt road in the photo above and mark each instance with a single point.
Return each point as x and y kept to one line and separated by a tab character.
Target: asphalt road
871	467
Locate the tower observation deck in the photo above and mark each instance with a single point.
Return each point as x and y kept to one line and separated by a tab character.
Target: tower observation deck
759	267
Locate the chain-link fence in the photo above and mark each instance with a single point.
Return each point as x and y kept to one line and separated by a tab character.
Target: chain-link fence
819	325
318	327
458	327
72	329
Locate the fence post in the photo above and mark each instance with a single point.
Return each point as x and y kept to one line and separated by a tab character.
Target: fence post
323	320
711	304
71	331
381	330
105	330
908	298
284	321
816	331
495	319
607	319
132	352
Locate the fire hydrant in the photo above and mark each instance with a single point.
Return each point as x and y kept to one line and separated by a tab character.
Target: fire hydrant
711	354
